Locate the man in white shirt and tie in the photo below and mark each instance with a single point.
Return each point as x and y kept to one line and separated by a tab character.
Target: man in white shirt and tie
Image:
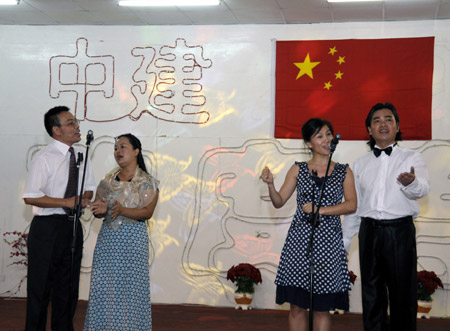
389	180
50	189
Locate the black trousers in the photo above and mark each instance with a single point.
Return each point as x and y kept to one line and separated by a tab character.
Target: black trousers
388	261
49	272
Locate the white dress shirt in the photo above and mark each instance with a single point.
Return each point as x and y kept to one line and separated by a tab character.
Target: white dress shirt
380	195
49	173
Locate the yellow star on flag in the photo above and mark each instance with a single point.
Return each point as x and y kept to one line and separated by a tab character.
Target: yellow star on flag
306	67
332	50
339	75
341	60
327	85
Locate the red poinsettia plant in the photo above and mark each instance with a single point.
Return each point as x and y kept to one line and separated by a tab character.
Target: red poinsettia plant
244	276
352	277
18	241
427	283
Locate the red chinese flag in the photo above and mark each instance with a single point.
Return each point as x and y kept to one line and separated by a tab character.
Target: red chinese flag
340	80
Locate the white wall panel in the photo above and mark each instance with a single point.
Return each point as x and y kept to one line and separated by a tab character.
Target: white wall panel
213	210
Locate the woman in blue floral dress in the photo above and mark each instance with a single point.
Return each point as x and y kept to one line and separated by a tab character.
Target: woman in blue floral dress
331	278
119	297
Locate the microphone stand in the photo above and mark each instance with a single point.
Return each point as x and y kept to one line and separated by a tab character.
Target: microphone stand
76	219
315	222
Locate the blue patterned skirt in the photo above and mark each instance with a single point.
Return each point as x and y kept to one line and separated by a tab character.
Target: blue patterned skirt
119	297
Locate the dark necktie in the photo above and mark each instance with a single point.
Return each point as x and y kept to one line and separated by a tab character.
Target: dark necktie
71	188
378	151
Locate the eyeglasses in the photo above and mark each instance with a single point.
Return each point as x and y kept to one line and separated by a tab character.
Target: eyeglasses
72	123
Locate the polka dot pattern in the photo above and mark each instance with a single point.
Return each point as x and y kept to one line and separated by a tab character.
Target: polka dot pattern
331	271
119	298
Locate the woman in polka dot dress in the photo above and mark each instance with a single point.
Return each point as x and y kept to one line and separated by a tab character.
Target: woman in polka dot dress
331	278
119	297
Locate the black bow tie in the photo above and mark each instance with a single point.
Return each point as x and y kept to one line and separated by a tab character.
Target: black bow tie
378	151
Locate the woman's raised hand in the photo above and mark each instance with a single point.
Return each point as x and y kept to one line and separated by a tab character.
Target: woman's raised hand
266	176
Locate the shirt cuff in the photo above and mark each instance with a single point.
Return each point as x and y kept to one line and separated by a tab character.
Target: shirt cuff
33	195
347	244
413	185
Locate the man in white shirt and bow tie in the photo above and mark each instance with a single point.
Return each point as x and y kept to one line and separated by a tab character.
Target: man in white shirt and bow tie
389	180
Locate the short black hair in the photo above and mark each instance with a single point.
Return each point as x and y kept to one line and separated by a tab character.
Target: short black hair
369	117
51	118
313	126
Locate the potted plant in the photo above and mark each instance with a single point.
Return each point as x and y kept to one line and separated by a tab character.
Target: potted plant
352	277
19	244
427	283
18	241
244	276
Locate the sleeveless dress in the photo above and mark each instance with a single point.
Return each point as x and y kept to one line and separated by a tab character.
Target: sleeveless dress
119	297
331	278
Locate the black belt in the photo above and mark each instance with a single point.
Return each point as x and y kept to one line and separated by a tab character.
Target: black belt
62	217
71	215
395	221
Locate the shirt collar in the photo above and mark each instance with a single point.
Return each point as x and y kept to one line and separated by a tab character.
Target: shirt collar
63	148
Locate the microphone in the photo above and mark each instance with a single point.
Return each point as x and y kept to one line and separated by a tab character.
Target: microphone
89	137
334	142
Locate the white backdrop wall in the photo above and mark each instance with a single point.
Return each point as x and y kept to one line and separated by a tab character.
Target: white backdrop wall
207	144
